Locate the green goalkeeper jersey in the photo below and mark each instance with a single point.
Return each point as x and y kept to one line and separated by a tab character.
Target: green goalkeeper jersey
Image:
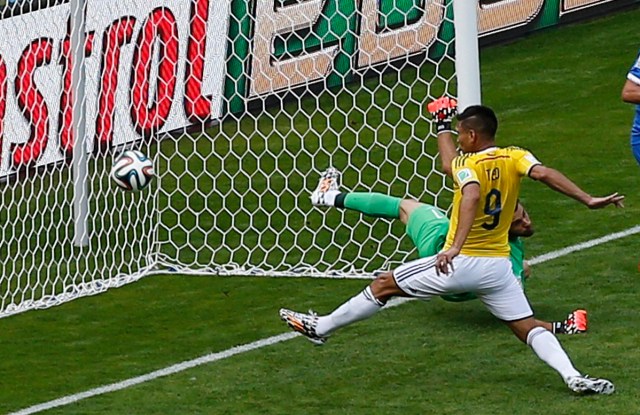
428	226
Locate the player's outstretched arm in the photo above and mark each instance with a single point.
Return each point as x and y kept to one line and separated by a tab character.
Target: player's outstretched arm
631	92
447	151
443	110
561	183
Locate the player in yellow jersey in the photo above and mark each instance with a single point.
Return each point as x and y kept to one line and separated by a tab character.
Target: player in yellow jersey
427	227
476	255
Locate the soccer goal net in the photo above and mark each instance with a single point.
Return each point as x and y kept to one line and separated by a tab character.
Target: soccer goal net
241	104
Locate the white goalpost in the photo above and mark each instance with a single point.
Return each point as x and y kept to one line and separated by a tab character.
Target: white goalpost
241	104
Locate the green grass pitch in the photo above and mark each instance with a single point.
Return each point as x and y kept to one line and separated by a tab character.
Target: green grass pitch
556	93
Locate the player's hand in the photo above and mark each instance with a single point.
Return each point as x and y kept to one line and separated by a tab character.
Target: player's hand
600	202
443	110
444	260
526	268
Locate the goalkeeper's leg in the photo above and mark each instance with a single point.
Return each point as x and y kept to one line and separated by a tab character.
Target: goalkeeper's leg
327	194
376	205
379	205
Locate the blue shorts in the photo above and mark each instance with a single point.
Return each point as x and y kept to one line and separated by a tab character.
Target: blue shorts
636	151
635	135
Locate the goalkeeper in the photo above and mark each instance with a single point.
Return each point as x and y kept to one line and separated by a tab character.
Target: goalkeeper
427	226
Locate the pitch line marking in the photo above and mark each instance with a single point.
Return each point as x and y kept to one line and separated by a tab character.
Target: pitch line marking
584	245
213	357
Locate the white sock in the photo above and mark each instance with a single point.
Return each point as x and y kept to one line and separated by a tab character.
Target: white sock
360	307
548	348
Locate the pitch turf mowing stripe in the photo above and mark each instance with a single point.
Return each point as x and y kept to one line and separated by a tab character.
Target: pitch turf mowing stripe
213	357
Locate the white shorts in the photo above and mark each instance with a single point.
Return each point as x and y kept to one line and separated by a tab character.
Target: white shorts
490	278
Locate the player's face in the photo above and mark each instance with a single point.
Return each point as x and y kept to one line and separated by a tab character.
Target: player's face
521	224
466	138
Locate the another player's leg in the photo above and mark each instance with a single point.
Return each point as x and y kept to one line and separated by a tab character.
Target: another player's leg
589	385
318	328
547	347
360	307
507	301
303	323
416	277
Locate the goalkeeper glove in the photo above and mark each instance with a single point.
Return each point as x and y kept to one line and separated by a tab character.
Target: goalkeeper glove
443	110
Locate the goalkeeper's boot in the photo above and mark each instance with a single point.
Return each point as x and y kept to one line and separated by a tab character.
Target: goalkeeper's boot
304	324
575	323
328	188
585	385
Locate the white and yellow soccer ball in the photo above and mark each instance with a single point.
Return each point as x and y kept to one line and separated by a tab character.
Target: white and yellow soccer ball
132	170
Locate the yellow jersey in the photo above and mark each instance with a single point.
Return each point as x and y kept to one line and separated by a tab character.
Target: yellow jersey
499	172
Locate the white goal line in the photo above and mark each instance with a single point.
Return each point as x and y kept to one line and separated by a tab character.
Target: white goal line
213	357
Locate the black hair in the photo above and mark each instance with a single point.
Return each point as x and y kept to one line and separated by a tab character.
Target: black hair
481	119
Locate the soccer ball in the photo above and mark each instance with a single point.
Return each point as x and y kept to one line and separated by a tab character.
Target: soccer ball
132	170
